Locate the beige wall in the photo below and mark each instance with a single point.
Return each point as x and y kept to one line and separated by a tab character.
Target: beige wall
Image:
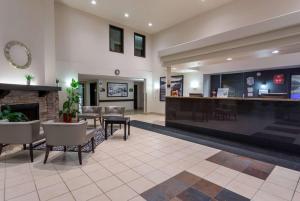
232	16
28	21
82	45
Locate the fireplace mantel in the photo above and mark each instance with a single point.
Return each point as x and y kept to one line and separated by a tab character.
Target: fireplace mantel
42	90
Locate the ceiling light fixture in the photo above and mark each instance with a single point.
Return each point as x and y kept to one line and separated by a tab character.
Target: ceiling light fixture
275	52
150	24
94	2
126	15
229	59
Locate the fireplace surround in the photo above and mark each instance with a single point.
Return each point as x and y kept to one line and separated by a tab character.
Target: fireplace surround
42	99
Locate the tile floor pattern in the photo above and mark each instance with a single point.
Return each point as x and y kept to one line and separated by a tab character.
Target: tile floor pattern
246	165
188	187
121	171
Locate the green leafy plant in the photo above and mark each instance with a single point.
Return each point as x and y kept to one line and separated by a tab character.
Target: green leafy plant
29	77
7	114
70	106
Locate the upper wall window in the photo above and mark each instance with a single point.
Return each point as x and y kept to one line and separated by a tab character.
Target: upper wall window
139	45
116	39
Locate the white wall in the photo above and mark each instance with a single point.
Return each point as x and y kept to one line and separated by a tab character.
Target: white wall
82	44
229	17
24	21
103	95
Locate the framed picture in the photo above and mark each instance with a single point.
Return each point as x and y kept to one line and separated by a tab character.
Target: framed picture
295	87
115	89
176	86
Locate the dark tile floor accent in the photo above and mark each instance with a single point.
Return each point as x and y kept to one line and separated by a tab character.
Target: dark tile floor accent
294	131
267	136
275	157
246	165
188	187
288	123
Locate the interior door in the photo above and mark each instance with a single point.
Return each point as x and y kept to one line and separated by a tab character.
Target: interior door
93	94
135	95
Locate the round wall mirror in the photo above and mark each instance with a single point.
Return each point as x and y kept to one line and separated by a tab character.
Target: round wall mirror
17	54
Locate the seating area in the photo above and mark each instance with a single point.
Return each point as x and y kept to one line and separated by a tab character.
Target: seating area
149	100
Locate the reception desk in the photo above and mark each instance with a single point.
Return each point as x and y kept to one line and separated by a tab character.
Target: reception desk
274	123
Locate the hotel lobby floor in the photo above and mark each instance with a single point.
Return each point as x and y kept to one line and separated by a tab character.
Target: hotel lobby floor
148	166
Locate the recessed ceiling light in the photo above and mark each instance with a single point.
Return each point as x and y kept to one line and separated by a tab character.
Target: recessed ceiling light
126	15
229	59
275	52
94	2
150	24
202	0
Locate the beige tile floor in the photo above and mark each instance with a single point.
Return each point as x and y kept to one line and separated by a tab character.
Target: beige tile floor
120	170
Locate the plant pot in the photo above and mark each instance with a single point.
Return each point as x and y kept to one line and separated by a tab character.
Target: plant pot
67	118
28	82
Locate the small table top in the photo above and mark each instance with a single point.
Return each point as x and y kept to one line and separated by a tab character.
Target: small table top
116	119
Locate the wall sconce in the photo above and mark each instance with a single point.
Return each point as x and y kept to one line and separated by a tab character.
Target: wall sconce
156	86
194	84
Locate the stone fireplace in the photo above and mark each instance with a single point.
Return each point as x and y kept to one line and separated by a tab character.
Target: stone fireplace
22	97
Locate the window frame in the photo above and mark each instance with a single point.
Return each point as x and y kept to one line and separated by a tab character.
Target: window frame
144	45
122	38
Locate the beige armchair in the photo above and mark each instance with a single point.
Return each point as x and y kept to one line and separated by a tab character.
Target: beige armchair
113	111
68	134
91	112
20	133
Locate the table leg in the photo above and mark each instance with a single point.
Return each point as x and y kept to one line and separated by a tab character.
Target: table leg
128	128
125	131
111	129
105	128
95	123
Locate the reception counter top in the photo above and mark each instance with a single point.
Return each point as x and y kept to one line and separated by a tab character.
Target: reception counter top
261	121
236	98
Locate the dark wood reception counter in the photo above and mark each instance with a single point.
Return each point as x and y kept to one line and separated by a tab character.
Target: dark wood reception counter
261	121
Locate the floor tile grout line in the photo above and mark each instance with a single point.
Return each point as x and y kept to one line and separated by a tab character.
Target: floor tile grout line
64	184
34	184
296	188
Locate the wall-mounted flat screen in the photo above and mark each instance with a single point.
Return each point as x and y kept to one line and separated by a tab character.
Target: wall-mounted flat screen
295	87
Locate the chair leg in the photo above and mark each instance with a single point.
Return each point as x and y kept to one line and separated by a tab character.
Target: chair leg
79	154
93	144
48	148
95	123
65	148
24	146
1	147
31	152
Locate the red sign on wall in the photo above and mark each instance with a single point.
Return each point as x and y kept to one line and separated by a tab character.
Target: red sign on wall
278	79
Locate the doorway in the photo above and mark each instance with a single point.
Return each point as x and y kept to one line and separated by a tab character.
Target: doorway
138	96
93	94
135	97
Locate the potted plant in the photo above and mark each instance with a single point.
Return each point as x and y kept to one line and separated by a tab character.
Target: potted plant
29	78
70	106
8	116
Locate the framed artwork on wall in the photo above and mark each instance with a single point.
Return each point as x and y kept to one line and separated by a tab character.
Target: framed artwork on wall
295	87
115	89
176	86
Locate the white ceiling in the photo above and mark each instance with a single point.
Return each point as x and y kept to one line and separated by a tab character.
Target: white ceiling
161	13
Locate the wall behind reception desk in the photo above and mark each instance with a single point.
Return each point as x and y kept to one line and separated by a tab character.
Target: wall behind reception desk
237	82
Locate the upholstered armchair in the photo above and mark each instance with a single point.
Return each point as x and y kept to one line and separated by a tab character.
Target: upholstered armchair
20	133
91	112
68	134
113	111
